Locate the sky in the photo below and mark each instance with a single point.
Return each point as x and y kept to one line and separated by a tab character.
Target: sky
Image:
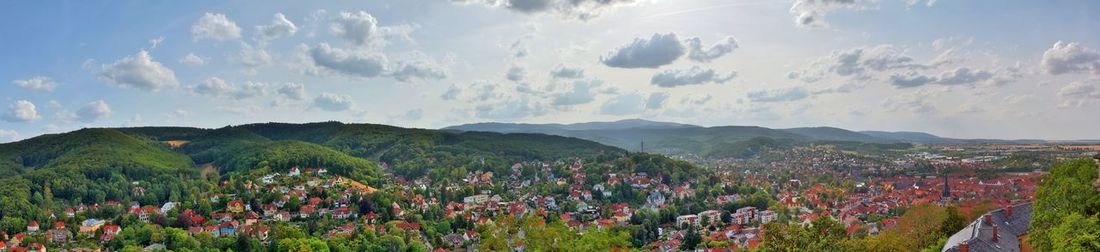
1002	69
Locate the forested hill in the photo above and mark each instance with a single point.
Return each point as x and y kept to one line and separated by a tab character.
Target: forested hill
147	152
96	165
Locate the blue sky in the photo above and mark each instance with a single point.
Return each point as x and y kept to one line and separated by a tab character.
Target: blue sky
974	69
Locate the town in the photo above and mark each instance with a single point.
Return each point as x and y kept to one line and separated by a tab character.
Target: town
725	209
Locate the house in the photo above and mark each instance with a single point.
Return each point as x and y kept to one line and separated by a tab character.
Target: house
305	211
282	216
294	172
711	216
767	216
998	230
227	228
342	213
90	226
235	206
685	220
32	227
59	233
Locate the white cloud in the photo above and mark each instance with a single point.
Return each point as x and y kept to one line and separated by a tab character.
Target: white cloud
1080	93
333	102
358	27
1070	57
362	29
581	92
93	111
294	91
964	75
139	71
563	72
252	57
213	86
698	54
280	27
656	100
691	76
511	108
779	95
516	73
21	111
350	62
37	83
9	135
659	50
625	104
811	13
215	26
192	60
569	9
417	69
251	89
217	87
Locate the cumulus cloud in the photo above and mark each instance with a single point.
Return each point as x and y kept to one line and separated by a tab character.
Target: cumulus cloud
213	86
659	50
515	73
349	62
216	87
192	60
252	57
964	75
958	76
779	95
139	71
8	135
569	9
361	28
625	104
691	76
37	83
21	111
511	108
358	27
419	69
877	58
293	91
698	54
563	72
333	102
1080	93
811	13
581	92
1070	57
215	26
656	100
910	79
93	111
280	27
663	49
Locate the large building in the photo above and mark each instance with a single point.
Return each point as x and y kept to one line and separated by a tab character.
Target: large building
997	230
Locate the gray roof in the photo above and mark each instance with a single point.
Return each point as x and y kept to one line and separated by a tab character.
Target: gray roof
978	235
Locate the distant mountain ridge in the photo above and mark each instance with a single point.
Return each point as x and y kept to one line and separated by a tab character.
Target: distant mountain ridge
685	138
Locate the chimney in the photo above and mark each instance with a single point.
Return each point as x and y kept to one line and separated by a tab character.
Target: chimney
963	247
995	233
1008	211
